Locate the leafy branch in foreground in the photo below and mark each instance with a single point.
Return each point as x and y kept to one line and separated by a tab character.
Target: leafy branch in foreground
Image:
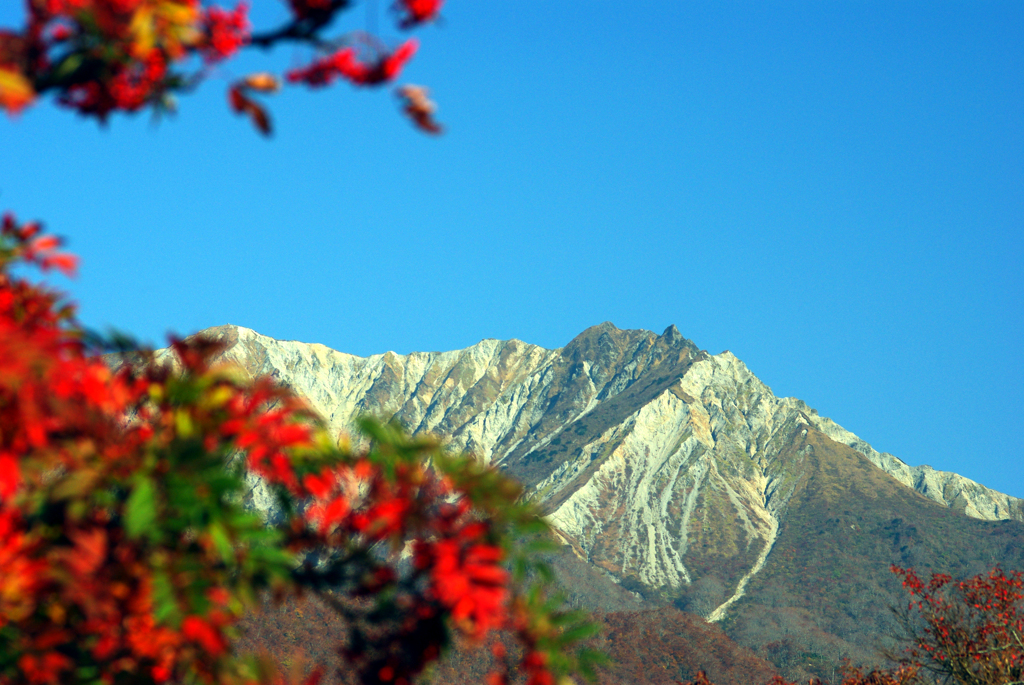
126	555
105	56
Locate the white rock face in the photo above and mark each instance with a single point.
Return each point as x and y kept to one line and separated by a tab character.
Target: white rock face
654	464
427	391
656	461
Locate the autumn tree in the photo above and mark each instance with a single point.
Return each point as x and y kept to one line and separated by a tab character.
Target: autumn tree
969	631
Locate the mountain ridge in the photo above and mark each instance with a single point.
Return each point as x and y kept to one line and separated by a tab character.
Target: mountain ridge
946	487
676	475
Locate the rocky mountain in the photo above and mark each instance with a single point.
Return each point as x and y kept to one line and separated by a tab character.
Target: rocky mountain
679	475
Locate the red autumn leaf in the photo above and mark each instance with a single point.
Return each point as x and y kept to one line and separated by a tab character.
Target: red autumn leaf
243	105
90	551
199	630
10	474
344	63
416	12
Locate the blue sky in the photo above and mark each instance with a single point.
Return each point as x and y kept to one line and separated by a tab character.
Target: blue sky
832	191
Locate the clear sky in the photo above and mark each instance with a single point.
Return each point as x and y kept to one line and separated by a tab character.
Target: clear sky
834	191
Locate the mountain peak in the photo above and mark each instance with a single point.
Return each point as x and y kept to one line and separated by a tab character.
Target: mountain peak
676	473
505	399
606	327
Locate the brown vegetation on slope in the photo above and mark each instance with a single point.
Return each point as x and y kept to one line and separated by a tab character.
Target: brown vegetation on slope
825	593
652	647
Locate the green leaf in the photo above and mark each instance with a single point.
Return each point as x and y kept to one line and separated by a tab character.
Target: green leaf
587	659
528	524
88	674
165	604
184	424
580	632
519	568
539	545
66	67
140	510
547	576
222	542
